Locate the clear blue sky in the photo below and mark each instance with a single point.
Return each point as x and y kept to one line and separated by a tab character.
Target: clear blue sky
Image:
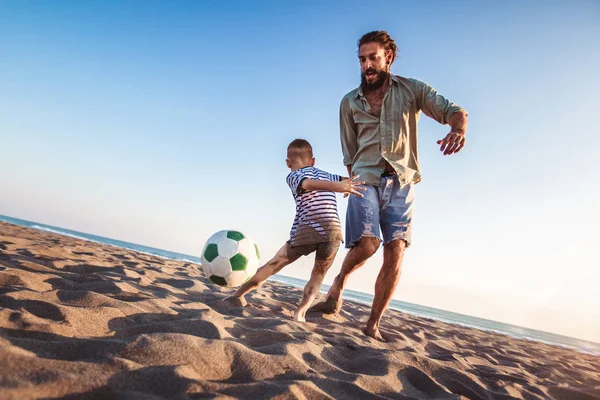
161	122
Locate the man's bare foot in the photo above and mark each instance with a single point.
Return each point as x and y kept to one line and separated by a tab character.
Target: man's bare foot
373	331
235	301
299	317
329	306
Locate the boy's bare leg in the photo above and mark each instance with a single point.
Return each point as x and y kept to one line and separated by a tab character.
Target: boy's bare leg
274	265
356	258
312	287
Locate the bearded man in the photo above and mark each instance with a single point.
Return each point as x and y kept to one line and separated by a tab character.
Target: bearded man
378	129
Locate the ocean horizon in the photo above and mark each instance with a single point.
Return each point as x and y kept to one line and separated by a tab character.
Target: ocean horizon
515	331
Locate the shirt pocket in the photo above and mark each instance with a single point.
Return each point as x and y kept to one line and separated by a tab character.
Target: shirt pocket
402	109
363	118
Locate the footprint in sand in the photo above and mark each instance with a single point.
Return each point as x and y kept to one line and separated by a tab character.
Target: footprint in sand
38	308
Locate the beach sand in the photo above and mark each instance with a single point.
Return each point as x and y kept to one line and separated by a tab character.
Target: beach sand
90	321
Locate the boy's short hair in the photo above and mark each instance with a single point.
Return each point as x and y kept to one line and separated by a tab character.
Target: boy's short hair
299	148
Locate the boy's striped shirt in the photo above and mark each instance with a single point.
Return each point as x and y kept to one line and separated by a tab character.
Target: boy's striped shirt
317	217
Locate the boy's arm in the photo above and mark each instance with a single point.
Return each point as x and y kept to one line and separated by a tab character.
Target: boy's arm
311	184
347	186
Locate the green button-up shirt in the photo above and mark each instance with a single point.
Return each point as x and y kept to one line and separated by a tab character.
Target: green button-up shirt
368	140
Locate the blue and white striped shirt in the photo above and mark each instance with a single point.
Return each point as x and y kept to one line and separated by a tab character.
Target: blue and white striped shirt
317	217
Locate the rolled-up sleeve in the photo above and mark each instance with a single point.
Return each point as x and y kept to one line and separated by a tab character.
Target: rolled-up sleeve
347	132
433	104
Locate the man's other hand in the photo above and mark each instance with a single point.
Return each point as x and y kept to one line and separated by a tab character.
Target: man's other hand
452	143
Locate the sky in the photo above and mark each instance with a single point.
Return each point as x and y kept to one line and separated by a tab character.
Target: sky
162	122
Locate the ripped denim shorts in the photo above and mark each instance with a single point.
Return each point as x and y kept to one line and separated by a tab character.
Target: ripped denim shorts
386	208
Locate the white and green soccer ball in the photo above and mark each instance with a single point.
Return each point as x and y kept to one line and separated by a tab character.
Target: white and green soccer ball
230	258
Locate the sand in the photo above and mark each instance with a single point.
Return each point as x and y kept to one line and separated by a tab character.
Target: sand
80	320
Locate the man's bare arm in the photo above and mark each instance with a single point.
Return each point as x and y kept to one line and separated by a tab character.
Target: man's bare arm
459	122
455	140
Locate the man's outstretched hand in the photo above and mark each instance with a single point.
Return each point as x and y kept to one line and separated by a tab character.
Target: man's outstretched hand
452	143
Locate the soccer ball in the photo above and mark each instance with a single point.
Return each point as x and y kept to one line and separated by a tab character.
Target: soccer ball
230	258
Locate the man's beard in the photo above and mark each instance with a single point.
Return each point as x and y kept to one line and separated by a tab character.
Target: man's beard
382	77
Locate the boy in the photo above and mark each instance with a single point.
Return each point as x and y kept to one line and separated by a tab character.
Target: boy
316	227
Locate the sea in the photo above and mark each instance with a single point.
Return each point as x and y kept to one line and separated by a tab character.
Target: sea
364	298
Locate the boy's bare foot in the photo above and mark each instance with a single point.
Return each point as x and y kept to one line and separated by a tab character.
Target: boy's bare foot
235	301
329	306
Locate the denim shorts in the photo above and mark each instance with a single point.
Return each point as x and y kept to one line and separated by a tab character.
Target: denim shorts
386	208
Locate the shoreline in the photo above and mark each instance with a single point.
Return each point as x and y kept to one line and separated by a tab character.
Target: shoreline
289	281
466	325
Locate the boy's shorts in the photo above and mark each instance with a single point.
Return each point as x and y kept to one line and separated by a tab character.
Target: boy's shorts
323	250
386	208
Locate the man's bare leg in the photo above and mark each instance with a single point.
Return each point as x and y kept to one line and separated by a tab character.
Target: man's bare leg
272	267
312	287
356	258
386	283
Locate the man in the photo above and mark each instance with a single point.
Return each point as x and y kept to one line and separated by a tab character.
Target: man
378	128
